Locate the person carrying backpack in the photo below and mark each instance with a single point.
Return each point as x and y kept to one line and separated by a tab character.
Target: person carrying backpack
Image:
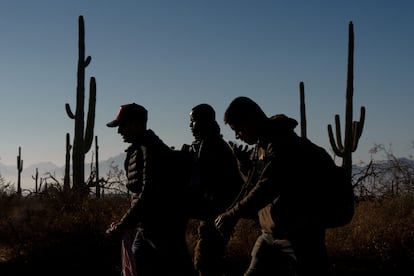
215	183
282	191
155	216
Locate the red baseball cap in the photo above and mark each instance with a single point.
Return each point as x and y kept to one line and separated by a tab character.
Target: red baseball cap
128	112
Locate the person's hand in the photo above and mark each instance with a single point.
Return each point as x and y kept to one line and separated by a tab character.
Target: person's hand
114	230
240	151
225	224
243	155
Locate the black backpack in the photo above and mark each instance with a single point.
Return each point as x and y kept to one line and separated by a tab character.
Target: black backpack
335	192
339	198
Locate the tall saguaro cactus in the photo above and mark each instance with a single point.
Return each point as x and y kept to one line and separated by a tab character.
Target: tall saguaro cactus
19	171
66	181
353	129
302	110
83	138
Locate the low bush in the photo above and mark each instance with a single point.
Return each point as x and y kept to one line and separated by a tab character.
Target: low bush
46	236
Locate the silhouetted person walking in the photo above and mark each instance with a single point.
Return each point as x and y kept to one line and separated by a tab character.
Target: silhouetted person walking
281	192
155	213
216	181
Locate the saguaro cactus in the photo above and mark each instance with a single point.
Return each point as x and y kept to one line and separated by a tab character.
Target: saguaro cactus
98	188
19	171
302	110
82	142
66	181
36	178
353	129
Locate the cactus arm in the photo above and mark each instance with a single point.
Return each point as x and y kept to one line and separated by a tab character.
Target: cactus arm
337	145
36	176
69	111
91	116
357	128
332	141
338	132
355	137
87	61
361	122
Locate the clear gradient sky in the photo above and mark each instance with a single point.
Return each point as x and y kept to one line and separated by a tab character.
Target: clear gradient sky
174	54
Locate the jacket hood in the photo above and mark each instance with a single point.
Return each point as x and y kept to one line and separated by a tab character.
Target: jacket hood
282	123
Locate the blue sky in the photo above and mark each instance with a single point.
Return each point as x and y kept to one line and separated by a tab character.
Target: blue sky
172	55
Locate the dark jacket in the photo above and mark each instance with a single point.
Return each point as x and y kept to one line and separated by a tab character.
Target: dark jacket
284	196
155	198
217	176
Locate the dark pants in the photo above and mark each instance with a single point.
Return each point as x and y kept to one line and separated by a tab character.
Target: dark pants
209	250
303	254
166	255
272	257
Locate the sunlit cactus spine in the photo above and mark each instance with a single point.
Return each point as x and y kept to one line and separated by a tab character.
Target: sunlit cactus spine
19	172
83	137
353	129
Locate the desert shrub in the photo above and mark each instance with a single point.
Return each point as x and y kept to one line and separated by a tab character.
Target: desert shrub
382	228
29	223
38	230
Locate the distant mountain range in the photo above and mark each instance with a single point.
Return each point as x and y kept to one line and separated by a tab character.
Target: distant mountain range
9	172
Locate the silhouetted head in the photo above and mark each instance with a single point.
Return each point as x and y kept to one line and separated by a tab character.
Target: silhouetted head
131	121
245	118
128	112
203	121
250	123
203	113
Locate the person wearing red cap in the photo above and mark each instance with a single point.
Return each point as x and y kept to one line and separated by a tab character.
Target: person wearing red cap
159	245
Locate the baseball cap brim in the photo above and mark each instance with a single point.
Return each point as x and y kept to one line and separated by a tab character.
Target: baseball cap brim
113	123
